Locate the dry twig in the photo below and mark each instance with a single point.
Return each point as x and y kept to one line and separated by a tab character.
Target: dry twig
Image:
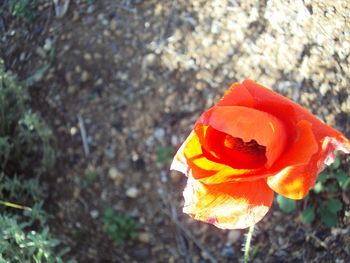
189	235
83	135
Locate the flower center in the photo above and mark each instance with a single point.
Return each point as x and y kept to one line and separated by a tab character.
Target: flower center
244	154
251	147
233	151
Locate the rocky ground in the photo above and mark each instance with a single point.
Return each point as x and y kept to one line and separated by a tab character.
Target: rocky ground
138	74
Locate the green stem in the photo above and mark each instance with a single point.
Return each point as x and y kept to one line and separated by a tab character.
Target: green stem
247	244
15	205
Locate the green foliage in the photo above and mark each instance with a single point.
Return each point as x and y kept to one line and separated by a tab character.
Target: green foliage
285	204
308	215
342	179
19	245
164	154
25	9
325	200
332	182
118	227
25	155
23	134
91	177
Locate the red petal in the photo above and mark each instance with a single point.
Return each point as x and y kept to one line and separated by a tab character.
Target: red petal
229	205
249	124
298	167
237	95
286	110
191	161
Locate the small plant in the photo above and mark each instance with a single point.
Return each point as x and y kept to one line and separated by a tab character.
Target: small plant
23	134
25	155
118	227
164	154
91	177
18	245
25	9
324	201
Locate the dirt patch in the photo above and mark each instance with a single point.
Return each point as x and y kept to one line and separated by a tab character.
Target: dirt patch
139	73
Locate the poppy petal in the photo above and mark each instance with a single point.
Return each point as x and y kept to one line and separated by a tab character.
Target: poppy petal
287	110
191	161
179	162
237	95
249	124
230	205
298	166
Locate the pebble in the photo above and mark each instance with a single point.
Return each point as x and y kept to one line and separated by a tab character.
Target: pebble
48	44
110	153
233	236
69	77
90	9
149	60
76	16
144	237
175	176
141	253
87	57
72	89
106	33
163	176
84	76
99	82
115	175
77	69
159	133
132	192
41	52
73	130
228	252
94	214
113	25
175	140
22	57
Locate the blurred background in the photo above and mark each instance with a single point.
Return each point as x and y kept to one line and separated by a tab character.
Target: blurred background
119	85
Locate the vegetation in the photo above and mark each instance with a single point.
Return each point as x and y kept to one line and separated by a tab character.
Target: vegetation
118	227
25	155
25	9
324	200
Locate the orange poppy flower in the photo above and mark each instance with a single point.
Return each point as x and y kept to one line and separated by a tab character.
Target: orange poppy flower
251	143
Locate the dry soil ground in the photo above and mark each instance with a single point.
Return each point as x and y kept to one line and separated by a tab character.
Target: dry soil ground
138	73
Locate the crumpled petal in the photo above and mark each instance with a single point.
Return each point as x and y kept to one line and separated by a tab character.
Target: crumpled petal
191	161
286	110
295	179
297	168
222	148
249	124
296	173
230	205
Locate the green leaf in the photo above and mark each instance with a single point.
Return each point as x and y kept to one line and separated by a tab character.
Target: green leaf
328	218
318	187
335	165
37	75
164	154
322	177
308	215
285	204
109	213
334	205
332	187
342	179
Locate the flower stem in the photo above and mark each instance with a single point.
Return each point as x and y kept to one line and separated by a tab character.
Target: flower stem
247	244
15	205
